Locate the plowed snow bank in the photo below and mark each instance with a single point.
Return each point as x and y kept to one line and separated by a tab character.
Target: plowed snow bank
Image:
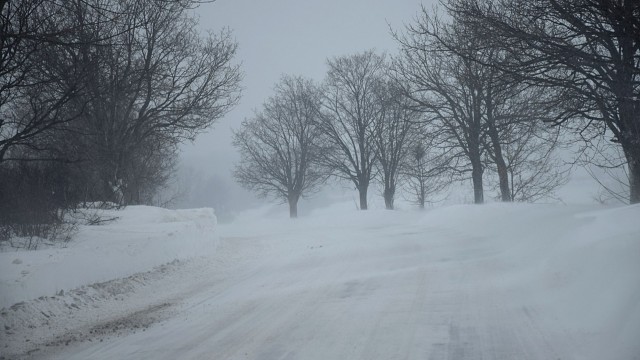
142	238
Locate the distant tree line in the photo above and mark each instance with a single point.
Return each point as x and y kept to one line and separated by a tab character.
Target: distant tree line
95	97
487	95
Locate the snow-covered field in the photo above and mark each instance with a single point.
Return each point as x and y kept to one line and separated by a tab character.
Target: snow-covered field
459	282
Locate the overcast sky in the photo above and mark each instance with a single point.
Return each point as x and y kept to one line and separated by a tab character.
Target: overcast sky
294	37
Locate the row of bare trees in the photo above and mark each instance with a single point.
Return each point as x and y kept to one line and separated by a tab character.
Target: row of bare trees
485	118
356	127
586	52
416	122
488	91
102	93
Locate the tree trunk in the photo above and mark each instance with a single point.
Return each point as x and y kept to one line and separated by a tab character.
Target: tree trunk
476	175
3	151
293	206
628	107
474	145
478	190
633	163
503	175
389	194
423	195
494	136
363	197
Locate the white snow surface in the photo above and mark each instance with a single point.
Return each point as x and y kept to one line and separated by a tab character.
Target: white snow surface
141	238
497	281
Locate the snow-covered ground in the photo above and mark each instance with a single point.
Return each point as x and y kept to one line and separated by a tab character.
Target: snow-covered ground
141	238
459	282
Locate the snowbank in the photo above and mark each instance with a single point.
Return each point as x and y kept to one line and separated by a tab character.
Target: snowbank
143	237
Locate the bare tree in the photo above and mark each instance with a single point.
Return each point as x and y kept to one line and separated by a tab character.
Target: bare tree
605	163
119	78
590	49
351	111
424	172
520	148
114	85
394	130
279	146
155	83
39	78
35	36
450	90
534	171
502	105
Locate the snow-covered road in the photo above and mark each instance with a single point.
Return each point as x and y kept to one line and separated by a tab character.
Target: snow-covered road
398	285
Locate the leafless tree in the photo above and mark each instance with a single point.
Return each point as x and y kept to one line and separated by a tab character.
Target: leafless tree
450	90
35	36
279	145
155	83
115	85
520	148
502	105
39	78
395	127
604	162
534	170
590	49
424	172
351	111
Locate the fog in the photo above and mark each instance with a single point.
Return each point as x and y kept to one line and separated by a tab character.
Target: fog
277	37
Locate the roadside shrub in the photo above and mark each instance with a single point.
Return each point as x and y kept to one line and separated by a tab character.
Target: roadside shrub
31	198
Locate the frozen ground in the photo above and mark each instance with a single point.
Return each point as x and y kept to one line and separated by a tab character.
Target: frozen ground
460	282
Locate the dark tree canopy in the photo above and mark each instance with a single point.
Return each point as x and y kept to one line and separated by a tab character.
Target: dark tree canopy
589	49
38	78
97	95
155	82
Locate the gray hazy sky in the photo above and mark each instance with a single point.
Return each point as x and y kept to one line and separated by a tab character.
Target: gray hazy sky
294	37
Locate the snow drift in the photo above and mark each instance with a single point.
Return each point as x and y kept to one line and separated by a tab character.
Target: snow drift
141	238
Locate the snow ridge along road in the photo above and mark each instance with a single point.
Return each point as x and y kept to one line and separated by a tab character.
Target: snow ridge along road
463	282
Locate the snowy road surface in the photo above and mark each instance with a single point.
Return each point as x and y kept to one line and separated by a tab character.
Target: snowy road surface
499	282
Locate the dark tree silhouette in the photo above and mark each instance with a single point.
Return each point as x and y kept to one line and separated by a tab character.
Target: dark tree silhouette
279	145
450	90
394	131
589	49
351	111
495	109
155	82
35	39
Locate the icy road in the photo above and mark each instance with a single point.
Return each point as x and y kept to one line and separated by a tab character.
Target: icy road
491	282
